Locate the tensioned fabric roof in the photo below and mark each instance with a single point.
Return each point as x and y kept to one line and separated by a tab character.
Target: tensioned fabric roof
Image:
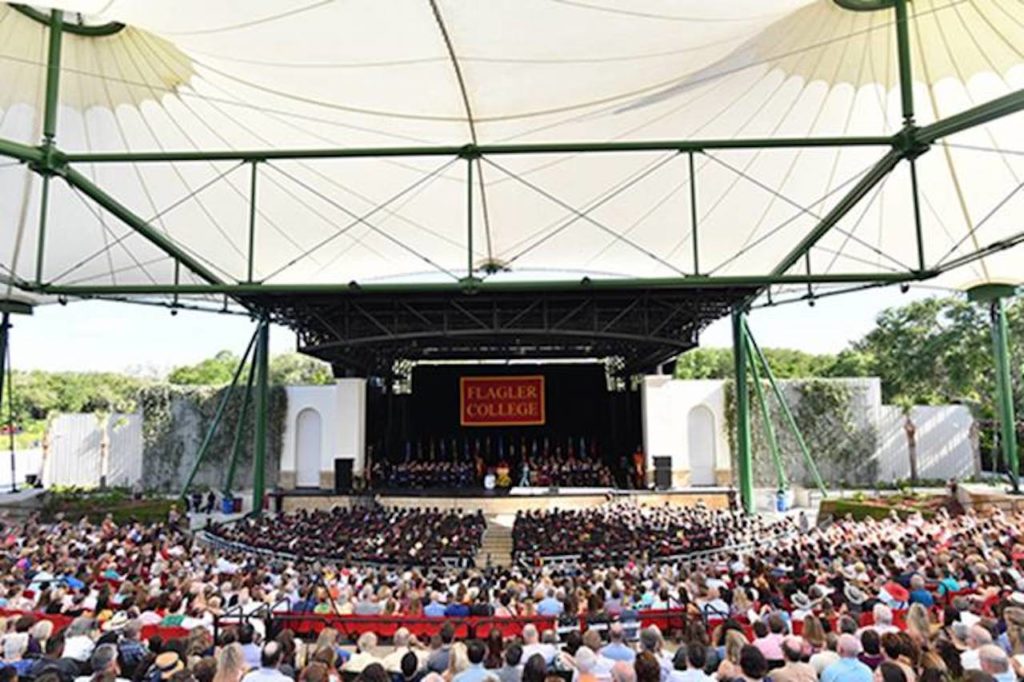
302	74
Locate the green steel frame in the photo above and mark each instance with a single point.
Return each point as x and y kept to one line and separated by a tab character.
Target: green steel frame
49	161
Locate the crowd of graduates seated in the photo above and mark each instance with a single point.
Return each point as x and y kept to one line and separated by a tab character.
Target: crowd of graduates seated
372	534
622	531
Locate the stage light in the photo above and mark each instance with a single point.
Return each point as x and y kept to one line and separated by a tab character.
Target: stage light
904	288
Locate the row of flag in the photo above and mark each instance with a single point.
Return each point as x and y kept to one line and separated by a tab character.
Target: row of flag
450	449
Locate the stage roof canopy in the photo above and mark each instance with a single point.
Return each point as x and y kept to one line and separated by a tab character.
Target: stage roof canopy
300	144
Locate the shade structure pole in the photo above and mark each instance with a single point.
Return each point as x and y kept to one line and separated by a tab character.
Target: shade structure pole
262	369
252	220
50	107
224	400
744	464
905	68
469	219
786	412
769	428
5	331
236	445
693	215
1004	391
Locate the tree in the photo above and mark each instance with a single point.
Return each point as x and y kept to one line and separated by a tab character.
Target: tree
215	371
292	369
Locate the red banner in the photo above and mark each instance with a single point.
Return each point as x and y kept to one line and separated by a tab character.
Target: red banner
501	401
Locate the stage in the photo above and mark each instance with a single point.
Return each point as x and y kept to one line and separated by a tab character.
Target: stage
507	501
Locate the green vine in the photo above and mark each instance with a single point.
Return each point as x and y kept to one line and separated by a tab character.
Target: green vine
842	446
175	421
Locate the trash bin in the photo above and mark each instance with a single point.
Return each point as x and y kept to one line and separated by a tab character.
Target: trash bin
227	505
236	505
781	503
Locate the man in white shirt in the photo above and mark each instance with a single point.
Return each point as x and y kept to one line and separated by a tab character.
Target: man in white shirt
977	638
996	663
402	642
532	645
365	645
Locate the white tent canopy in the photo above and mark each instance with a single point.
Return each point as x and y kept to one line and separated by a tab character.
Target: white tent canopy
304	74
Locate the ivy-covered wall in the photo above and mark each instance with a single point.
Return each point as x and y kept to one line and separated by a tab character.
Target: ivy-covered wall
175	421
838	422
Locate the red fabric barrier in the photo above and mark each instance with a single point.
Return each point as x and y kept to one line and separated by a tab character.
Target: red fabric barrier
61	621
423	628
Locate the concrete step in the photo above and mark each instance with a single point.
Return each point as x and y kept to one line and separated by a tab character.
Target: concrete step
496	545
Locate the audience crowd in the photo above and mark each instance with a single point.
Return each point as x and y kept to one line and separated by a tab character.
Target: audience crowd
915	600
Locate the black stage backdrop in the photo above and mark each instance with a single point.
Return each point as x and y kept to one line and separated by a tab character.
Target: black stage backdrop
577	404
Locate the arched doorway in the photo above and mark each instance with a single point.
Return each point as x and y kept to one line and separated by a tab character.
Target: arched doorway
700	427
307	449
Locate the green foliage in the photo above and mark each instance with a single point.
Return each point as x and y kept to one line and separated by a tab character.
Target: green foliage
288	369
37	395
786	363
177	418
215	371
76	503
826	413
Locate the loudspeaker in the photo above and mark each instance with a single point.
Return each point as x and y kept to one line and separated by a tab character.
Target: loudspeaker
342	475
662	473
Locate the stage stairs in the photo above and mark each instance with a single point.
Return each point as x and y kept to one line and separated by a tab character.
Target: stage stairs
497	542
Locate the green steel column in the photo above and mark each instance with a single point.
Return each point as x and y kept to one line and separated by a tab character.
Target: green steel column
225	399
252	219
786	412
769	428
53	76
693	216
903	52
744	464
1004	388
469	219
236	445
5	328
262	369
50	107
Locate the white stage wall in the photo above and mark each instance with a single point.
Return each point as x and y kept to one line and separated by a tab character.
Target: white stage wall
323	423
676	414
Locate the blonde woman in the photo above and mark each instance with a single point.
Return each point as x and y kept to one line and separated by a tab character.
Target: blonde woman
814	634
919	625
1014	618
458	661
230	664
729	668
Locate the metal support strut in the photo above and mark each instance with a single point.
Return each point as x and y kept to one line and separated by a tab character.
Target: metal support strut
786	412
744	464
225	399
766	417
261	366
1004	390
5	375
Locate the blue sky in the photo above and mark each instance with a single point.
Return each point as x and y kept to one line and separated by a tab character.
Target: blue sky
97	336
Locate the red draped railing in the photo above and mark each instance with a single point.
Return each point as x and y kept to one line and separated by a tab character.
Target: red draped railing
60	621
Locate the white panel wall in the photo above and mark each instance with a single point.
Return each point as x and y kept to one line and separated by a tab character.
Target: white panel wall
666	408
944	445
351	432
342	410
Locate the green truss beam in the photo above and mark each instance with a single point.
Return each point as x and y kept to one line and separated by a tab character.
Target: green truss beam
701	282
970	118
474	151
129	218
882	168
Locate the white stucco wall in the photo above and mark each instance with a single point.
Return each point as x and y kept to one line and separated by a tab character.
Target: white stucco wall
944	443
342	410
666	408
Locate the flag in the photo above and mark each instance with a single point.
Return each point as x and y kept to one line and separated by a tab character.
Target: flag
408	451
